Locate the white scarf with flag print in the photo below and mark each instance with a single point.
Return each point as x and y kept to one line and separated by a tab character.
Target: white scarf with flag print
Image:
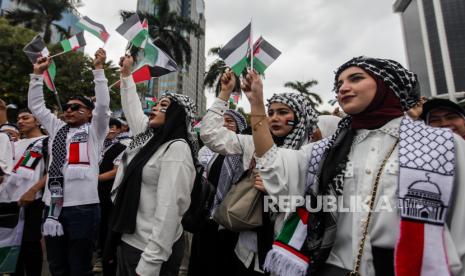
78	154
426	157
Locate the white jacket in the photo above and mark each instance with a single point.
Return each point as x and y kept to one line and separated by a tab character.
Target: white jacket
167	181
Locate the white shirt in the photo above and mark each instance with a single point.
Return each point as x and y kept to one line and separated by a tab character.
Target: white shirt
6	158
17	185
77	191
167	181
368	151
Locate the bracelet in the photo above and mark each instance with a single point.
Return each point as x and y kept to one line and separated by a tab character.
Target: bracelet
258	115
259	123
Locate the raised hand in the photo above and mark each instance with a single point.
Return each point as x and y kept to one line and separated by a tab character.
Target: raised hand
100	58
41	65
126	63
228	81
253	87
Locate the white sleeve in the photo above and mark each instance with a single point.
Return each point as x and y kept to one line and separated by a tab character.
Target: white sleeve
101	112
6	158
284	171
132	107
457	211
36	104
175	183
217	137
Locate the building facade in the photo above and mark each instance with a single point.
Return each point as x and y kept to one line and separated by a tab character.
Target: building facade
189	81
434	36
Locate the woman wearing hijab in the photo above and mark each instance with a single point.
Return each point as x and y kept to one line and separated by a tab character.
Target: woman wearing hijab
382	157
213	247
291	120
153	182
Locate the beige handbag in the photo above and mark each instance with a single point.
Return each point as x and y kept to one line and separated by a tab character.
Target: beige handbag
242	207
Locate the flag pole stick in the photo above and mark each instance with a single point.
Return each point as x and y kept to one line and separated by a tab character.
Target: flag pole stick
59	54
109	87
57	98
251	43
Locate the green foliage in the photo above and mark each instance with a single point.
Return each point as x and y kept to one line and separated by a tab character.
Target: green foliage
40	15
74	70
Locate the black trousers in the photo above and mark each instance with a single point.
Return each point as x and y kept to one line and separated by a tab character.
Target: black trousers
30	256
128	258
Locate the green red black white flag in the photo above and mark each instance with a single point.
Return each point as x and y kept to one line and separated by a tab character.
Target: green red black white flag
94	28
235	52
133	31
264	54
73	43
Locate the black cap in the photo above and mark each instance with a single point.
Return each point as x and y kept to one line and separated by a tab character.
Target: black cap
84	99
440	103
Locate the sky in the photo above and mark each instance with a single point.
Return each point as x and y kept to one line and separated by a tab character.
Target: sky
314	36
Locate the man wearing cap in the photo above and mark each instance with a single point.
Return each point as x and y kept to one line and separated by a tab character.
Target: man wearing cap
72	211
444	113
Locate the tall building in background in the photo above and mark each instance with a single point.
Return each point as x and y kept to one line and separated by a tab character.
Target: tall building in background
434	35
67	22
189	81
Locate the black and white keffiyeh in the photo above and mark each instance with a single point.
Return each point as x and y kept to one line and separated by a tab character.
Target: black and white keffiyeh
401	81
307	118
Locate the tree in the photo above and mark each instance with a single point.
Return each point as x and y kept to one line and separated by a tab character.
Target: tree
170	31
74	75
303	88
40	15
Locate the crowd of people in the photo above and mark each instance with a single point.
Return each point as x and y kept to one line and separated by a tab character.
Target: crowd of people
111	195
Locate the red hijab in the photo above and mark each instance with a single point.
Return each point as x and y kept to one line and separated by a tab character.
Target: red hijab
384	107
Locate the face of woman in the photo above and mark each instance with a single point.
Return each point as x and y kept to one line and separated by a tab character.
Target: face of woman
278	117
229	123
158	116
356	90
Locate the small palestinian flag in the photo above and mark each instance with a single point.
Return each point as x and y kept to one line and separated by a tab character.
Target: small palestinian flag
133	31
94	28
73	43
145	26
155	57
264	54
234	53
36	49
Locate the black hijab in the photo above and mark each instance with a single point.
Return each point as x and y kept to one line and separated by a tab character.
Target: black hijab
127	200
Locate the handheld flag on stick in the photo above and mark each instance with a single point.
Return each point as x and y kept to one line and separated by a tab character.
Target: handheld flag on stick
94	28
234	53
36	49
264	55
73	43
133	31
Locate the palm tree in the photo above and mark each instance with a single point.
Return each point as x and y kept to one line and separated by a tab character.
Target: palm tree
40	15
303	88
171	31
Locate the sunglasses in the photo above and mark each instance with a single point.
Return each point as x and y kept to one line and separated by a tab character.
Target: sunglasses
73	106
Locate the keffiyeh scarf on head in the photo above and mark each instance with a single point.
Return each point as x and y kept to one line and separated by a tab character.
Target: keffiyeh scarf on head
306	118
